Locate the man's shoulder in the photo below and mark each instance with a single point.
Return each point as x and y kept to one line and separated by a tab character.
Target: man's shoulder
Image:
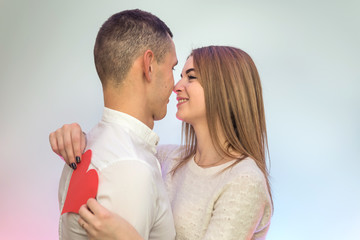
131	168
110	147
109	134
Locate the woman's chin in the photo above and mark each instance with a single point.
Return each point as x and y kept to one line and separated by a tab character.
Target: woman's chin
178	116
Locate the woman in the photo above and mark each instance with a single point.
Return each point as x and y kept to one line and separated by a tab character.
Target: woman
218	181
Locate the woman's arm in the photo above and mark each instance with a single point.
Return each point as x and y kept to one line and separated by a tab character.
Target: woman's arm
242	211
100	223
68	142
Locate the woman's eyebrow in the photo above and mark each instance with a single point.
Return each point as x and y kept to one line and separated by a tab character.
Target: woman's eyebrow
189	70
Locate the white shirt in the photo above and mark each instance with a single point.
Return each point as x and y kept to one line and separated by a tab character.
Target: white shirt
130	182
209	203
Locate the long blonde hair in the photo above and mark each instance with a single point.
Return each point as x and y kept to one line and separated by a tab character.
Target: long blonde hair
234	103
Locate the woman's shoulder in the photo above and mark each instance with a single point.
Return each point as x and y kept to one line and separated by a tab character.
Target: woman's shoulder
247	175
247	168
168	149
168	152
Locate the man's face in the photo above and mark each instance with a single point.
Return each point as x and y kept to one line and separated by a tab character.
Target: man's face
164	80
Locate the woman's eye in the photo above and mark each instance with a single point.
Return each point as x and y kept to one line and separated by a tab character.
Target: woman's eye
191	77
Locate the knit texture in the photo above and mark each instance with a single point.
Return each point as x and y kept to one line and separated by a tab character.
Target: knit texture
209	203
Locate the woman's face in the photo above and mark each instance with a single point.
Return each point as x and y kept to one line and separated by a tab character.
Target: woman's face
190	96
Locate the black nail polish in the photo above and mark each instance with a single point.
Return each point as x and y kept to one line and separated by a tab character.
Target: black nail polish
73	165
77	159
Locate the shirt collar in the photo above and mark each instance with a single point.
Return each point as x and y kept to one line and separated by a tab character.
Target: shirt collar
136	127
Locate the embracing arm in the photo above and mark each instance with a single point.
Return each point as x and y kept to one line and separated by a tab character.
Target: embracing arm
68	142
102	224
241	211
125	205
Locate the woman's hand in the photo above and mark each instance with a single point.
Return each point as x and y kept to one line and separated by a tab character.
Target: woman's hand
100	223
68	142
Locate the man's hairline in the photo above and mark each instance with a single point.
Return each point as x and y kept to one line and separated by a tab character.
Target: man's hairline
168	44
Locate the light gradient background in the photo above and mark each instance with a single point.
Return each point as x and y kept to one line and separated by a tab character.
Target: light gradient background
307	53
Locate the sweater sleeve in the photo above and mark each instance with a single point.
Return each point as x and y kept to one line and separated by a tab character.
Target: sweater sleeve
164	151
239	209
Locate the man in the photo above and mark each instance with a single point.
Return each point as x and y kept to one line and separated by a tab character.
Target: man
134	57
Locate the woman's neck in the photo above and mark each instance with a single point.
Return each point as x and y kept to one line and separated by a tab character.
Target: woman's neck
206	153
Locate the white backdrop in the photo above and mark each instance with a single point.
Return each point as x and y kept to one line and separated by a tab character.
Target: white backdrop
307	53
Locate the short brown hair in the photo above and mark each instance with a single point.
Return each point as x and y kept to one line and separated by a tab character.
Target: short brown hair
124	37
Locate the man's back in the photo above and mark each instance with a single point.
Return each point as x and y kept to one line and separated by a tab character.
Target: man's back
130	182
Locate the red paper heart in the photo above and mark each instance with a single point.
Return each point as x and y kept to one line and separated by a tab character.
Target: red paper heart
83	185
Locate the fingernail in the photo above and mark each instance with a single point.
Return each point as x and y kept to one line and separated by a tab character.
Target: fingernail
77	159
73	165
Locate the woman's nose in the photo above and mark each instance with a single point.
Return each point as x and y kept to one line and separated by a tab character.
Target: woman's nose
178	87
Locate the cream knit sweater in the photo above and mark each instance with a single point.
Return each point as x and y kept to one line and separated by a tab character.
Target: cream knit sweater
210	204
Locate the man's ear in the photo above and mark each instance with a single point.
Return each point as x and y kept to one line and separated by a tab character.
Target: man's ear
148	64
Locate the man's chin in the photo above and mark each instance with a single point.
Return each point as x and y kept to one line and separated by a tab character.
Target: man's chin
159	116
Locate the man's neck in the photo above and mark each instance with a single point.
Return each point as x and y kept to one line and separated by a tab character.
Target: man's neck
128	101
